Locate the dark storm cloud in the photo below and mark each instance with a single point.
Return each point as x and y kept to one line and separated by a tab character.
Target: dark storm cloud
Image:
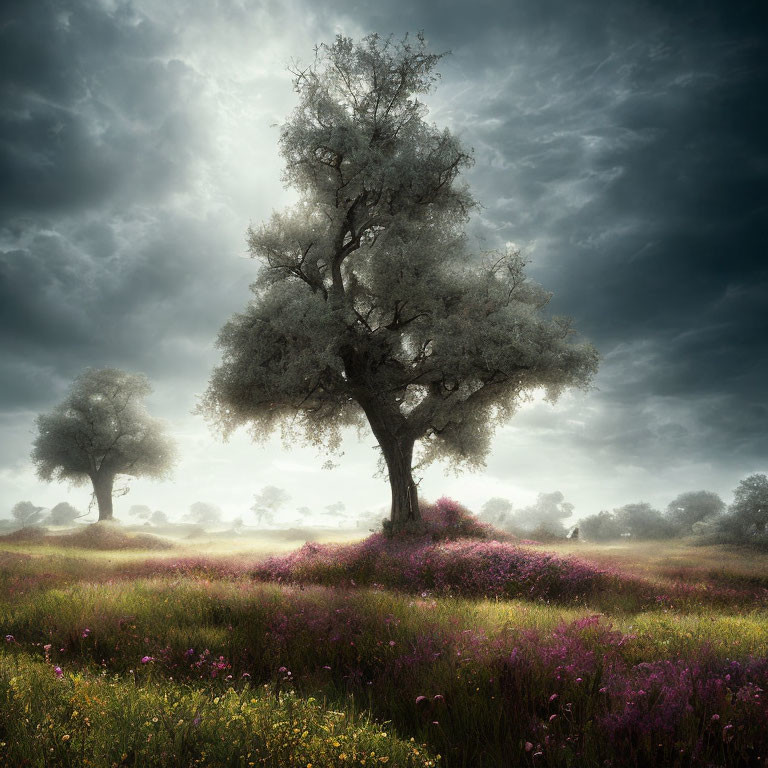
92	108
100	130
632	147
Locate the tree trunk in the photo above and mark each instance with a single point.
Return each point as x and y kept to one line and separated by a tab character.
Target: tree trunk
390	429
398	453
102	487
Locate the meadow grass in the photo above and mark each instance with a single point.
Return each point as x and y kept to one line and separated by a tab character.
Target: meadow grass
636	667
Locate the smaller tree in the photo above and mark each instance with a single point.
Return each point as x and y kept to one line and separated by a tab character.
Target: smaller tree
546	515
158	517
747	518
204	513
497	511
63	514
267	503
142	511
102	430
693	507
25	513
600	527
642	521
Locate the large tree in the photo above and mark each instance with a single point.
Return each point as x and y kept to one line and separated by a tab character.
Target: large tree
102	430
369	304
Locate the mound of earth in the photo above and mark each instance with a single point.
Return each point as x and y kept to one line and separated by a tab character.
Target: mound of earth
33	534
111	536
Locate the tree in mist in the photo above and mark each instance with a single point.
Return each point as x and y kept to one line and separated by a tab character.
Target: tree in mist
158	517
747	518
63	514
336	508
25	513
693	507
600	527
642	521
204	513
268	502
102	430
498	512
546	515
369	305
142	511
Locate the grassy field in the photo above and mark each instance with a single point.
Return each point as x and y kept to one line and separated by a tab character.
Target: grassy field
449	649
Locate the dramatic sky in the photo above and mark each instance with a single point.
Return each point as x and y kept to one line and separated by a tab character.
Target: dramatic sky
622	146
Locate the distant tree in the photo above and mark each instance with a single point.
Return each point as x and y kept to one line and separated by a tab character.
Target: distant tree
747	518
25	513
600	527
102	430
158	517
641	521
238	524
336	508
497	512
369	305
267	502
204	513
63	514
546	515
693	507
142	511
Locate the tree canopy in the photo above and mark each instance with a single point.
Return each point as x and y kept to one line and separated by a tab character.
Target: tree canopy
25	513
747	518
101	430
369	304
694	507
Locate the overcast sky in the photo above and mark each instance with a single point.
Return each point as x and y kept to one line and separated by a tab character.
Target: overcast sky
622	146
